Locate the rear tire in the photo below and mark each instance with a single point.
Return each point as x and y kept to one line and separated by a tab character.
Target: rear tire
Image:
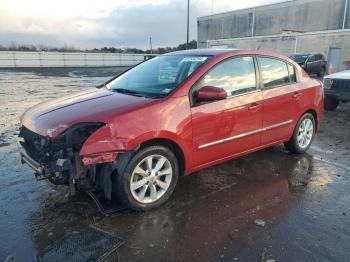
303	135
149	178
331	103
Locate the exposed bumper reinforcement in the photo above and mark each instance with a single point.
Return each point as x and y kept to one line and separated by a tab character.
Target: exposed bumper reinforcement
25	158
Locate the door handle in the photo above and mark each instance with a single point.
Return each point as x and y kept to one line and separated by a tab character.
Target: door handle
297	94
254	107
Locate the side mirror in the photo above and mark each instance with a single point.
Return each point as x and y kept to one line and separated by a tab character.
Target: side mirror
211	93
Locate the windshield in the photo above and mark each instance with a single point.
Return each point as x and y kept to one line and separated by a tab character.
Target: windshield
299	58
158	76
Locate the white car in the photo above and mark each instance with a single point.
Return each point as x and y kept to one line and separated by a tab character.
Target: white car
337	88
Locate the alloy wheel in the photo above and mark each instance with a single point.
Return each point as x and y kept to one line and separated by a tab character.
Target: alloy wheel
151	178
305	133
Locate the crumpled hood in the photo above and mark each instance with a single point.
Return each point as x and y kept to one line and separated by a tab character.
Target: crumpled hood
94	105
340	75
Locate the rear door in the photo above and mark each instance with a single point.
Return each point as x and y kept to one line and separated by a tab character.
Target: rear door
231	126
281	95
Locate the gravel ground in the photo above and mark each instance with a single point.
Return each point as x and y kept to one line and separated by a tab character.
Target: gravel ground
268	205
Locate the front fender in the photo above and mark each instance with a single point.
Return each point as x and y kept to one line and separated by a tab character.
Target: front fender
103	140
104	144
169	119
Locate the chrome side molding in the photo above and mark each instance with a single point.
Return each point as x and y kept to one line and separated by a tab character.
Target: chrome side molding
246	134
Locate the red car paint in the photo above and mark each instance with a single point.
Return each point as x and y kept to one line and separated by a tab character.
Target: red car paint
255	120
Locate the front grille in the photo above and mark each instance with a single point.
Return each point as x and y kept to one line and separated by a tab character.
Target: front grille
41	148
341	84
46	152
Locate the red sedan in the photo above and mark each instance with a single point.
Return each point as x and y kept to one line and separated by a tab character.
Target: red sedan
169	116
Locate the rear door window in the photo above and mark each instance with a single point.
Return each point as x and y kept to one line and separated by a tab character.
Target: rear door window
274	72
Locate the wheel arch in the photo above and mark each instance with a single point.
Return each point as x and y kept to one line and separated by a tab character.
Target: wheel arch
314	114
310	111
172	145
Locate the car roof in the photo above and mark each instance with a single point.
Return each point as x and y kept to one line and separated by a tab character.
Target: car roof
228	51
203	52
216	52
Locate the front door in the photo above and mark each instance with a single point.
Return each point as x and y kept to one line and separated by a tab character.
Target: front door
227	127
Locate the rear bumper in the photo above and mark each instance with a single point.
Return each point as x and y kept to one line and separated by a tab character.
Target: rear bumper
25	158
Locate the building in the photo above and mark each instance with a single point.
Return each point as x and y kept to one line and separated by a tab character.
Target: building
294	26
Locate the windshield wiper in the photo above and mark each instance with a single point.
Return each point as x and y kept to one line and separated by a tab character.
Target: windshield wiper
155	95
135	93
101	85
128	92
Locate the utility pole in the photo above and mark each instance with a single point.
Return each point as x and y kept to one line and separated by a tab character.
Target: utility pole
150	44
345	13
188	24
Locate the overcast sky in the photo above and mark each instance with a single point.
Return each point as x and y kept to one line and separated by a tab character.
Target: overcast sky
99	23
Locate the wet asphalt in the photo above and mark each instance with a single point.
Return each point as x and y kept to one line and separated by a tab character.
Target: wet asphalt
302	200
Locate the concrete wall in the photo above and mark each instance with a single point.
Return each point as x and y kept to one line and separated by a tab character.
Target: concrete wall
296	15
58	59
294	43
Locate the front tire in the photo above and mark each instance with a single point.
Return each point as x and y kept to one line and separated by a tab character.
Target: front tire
331	103
303	135
149	179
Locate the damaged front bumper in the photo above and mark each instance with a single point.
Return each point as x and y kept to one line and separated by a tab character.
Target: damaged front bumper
43	171
58	160
25	158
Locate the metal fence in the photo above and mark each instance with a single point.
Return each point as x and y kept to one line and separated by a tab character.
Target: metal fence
60	59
